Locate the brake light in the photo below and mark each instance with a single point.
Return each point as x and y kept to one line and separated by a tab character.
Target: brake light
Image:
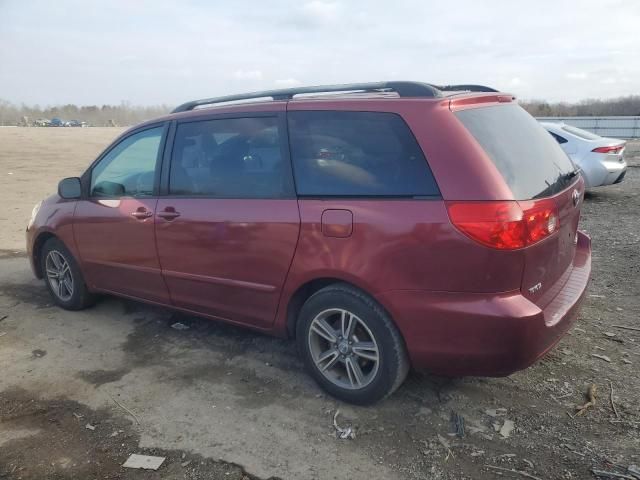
505	225
612	149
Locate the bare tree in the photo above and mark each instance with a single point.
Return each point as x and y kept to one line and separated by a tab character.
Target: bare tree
622	106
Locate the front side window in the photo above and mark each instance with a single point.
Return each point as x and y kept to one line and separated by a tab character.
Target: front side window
357	154
230	158
129	168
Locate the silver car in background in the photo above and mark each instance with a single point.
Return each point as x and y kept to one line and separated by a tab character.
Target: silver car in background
600	158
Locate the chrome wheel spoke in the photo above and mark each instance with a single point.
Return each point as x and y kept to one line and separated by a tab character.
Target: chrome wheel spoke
366	350
55	259
322	328
327	359
59	275
68	284
347	324
354	372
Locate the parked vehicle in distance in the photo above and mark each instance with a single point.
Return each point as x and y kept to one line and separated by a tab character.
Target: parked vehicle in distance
601	159
389	225
56	122
76	123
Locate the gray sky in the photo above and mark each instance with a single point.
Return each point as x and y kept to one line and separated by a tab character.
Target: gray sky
157	51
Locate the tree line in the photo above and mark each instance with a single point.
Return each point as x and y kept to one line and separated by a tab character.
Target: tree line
99	116
127	114
621	106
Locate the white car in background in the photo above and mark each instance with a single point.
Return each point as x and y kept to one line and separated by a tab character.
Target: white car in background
601	159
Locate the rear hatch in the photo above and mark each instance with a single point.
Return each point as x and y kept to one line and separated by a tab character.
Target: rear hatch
540	175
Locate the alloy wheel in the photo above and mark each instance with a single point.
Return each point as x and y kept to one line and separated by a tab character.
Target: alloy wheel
59	275
343	348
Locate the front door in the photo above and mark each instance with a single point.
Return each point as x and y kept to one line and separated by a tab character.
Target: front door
227	227
114	226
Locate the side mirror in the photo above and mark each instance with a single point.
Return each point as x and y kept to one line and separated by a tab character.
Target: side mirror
70	188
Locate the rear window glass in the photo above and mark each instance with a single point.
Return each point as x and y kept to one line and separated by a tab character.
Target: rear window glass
357	154
580	133
558	138
529	159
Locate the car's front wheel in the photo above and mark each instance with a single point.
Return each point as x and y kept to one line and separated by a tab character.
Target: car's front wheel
350	345
63	276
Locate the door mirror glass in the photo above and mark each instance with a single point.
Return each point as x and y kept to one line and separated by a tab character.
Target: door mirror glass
70	188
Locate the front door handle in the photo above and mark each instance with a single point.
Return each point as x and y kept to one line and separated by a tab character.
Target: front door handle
141	214
169	213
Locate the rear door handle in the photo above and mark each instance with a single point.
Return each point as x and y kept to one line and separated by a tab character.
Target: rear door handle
141	214
168	213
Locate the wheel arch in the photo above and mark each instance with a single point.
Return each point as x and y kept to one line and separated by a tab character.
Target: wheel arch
39	242
307	289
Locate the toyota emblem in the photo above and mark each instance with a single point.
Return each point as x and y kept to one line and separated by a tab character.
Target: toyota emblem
576	198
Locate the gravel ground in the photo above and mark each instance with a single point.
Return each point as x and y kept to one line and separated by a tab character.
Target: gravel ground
224	403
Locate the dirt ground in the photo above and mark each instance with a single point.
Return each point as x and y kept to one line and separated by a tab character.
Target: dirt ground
224	403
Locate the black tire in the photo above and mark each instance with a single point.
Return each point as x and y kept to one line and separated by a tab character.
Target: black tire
80	296
373	320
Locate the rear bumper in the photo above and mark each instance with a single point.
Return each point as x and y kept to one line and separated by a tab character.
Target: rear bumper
609	172
455	334
621	176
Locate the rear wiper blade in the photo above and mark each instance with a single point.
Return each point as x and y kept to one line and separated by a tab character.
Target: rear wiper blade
568	176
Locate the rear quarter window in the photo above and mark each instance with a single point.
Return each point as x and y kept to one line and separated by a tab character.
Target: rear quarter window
580	133
558	138
531	162
357	154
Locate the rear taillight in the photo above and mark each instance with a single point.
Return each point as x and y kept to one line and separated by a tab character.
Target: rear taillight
505	225
610	150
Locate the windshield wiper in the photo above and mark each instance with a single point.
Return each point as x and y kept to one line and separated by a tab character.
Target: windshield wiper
568	176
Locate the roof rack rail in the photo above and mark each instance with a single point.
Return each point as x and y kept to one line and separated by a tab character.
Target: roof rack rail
465	88
403	89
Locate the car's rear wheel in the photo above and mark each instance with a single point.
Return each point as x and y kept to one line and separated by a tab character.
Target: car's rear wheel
350	345
63	277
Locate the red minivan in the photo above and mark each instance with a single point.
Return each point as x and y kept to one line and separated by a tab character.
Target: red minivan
382	225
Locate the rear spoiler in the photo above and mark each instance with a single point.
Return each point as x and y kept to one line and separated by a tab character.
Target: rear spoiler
465	88
471	101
